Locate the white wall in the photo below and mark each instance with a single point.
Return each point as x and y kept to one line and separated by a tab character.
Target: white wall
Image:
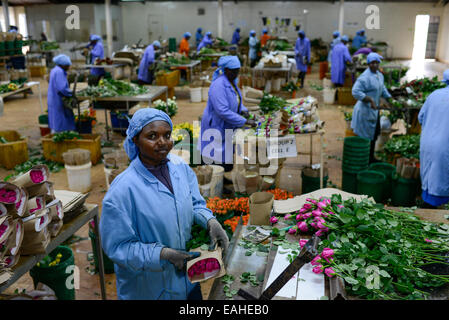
443	39
397	20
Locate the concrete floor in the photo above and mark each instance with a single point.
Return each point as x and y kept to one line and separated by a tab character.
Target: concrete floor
21	114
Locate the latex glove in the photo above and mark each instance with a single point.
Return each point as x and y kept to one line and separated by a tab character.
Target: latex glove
177	257
245	114
217	235
251	123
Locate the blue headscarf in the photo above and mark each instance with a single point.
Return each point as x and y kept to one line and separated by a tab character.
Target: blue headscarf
344	38
336	34
226	62
446	76
199	30
139	120
187	34
373	57
62	60
94	37
252	32
238	29
264	30
156	43
208	33
301	32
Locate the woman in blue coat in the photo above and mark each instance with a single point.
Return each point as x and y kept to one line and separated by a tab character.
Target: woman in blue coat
207	41
368	89
302	56
252	48
198	36
340	57
359	39
434	147
148	214
335	39
224	113
97	52
236	36
145	76
60	118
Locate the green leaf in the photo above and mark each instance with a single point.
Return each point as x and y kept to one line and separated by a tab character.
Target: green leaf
233	292
384	273
204	247
351	280
248	253
324	298
392	222
345	218
261	254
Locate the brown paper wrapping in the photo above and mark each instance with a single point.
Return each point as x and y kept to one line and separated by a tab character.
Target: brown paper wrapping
260	205
25	181
205	254
203	174
11	261
18	237
8	223
36	235
10	187
54	227
42	189
56	211
252	181
19	208
36	206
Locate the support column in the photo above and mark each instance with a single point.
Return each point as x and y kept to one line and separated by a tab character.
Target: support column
108	27
220	19
6	14
341	16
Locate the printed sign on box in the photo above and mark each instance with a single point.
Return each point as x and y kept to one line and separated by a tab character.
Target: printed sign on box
282	147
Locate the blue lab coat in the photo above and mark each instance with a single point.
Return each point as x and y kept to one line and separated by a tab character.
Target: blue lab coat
252	48
198	37
97	52
235	38
434	150
302	49
140	216
340	55
358	41
364	118
59	117
204	43
333	43
221	113
147	60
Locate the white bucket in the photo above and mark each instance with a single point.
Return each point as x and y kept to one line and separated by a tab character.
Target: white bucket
329	95
204	93
79	177
205	190
268	86
195	94
276	85
216	189
327	83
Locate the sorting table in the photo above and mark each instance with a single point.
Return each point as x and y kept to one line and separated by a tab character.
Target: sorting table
27	262
190	66
261	67
26	87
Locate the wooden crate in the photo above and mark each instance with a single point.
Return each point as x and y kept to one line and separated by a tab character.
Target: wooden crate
15	151
170	79
37	71
54	150
344	97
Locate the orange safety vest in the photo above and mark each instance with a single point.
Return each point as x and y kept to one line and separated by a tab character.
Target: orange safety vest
184	47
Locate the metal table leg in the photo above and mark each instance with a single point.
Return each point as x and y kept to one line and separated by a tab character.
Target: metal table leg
321	161
311	148
107	126
100	258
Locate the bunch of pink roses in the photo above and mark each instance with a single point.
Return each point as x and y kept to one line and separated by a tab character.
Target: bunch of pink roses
322	262
311	217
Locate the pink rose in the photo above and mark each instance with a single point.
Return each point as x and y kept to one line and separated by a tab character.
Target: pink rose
273	220
329	272
318	269
322	205
307	206
327	253
340	206
315	261
428	240
287	216
316	213
313	224
299	217
307	215
292	230
302	226
302	242
303	210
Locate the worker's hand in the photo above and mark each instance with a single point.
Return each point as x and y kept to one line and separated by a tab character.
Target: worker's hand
245	114
373	104
177	257
251	123
217	235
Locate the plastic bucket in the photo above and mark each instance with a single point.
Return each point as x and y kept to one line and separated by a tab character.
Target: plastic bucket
204	93
44	129
195	94
107	263
276	85
404	191
216	188
354	168
328	95
349	181
327	84
79	177
205	190
310	184
58	277
357	142
388	170
371	183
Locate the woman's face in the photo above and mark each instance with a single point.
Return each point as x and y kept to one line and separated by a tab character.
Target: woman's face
154	142
374	66
231	74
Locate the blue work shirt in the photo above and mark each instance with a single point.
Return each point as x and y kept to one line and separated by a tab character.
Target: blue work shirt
198	38
59	117
204	43
141	216
358	41
302	49
97	52
332	45
221	113
340	55
434	143
364	118
252	48
235	38
147	60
